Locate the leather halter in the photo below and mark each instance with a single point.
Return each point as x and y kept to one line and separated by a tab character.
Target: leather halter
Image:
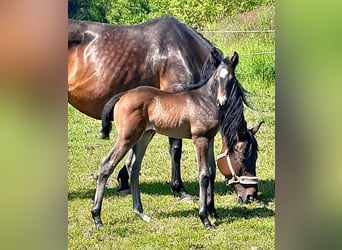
250	180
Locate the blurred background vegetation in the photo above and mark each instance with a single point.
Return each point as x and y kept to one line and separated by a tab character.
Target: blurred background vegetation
198	14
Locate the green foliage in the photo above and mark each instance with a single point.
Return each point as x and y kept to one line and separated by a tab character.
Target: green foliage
128	11
94	10
196	13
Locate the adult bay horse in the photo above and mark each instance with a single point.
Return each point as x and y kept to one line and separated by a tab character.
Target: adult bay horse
104	60
195	113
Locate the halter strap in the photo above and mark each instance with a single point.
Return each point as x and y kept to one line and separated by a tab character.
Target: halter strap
236	179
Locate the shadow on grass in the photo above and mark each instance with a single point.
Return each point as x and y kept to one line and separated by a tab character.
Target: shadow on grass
266	190
230	214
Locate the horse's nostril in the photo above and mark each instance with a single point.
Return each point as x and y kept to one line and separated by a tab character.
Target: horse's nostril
240	200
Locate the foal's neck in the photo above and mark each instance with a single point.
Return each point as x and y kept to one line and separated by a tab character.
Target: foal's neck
208	91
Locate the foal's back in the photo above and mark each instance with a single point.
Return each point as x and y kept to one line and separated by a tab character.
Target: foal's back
179	115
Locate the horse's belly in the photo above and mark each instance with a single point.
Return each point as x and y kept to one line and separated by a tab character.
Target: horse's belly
174	132
169	123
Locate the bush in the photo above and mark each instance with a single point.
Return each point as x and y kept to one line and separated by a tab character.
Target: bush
193	12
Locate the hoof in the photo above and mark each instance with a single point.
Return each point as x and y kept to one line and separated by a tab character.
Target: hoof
143	216
185	197
98	225
124	192
209	226
104	137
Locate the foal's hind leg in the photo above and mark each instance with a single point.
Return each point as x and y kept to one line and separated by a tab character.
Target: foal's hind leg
107	167
139	151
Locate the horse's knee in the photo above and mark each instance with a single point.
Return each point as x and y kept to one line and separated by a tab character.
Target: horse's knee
204	179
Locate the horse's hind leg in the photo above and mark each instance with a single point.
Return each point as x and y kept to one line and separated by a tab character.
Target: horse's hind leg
107	167
138	153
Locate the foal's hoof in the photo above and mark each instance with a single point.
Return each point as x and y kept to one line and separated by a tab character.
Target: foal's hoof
143	216
98	225
209	226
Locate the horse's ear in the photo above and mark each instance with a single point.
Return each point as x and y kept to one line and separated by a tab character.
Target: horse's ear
215	57
255	129
234	60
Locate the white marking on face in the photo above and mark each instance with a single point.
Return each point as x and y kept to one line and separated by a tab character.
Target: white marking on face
223	73
221	100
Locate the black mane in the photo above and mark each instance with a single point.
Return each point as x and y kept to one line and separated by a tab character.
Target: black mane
207	70
232	120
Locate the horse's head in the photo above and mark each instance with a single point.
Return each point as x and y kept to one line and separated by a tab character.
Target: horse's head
238	164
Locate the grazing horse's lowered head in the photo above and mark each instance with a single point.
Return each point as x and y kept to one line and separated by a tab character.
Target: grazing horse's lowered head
239	153
238	165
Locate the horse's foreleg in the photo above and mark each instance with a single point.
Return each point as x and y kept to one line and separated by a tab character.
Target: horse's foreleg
107	167
123	176
176	184
138	153
201	145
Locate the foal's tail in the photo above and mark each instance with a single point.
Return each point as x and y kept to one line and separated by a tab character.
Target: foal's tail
107	116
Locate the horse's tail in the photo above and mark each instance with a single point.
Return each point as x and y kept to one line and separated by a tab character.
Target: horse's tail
107	116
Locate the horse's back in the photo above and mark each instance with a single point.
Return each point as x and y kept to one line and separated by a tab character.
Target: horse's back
107	59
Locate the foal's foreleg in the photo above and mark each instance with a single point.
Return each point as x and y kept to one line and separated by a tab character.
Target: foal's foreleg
212	176
107	167
138	153
201	145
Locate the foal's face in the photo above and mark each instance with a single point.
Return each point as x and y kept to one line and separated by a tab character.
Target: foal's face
221	81
224	74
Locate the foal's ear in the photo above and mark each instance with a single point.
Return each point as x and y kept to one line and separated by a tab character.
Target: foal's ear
234	60
215	57
255	129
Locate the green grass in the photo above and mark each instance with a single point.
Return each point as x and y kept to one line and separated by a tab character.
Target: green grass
175	224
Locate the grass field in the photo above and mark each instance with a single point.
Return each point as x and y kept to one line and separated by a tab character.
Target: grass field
175	224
